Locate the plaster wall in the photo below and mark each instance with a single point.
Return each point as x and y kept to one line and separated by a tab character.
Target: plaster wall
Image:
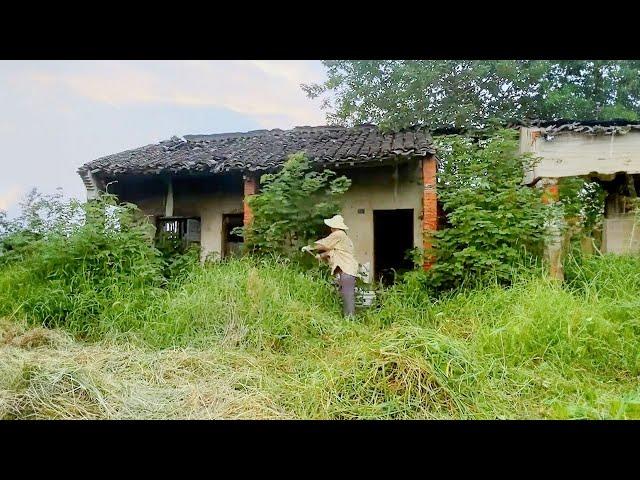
578	154
381	188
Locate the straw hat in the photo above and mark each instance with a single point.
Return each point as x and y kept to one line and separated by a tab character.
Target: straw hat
336	222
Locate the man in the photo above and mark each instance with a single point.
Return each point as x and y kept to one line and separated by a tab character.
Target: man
337	250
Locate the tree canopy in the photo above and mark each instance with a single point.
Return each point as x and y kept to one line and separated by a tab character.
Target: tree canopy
474	93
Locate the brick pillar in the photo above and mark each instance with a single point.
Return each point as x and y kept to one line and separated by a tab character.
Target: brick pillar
554	244
550	192
250	188
429	206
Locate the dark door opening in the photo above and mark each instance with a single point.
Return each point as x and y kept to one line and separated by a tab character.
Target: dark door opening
231	243
392	239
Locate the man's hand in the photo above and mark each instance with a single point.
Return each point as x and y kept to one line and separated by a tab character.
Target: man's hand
306	248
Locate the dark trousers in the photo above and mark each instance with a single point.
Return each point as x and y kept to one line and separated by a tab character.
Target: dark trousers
348	293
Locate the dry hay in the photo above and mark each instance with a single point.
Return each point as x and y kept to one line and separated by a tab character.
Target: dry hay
44	374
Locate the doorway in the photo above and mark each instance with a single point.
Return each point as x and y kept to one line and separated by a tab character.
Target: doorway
392	239
231	243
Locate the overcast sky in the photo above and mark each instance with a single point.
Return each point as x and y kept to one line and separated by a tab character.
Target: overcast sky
57	115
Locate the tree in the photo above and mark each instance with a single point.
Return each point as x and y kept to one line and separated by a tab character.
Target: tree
290	208
471	93
591	89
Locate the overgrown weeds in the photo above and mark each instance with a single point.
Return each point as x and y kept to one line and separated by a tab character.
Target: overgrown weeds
261	339
94	327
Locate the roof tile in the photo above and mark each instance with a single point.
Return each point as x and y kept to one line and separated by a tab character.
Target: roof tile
265	150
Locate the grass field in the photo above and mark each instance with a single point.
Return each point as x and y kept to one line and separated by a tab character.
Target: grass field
254	338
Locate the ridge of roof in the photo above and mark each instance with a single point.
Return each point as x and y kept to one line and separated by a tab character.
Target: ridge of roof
296	129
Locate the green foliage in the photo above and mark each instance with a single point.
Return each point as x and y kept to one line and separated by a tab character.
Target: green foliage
274	332
290	208
179	266
79	264
39	214
493	222
469	93
266	339
590	89
582	204
42	213
177	255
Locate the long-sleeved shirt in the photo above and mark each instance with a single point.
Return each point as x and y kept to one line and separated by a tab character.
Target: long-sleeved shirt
340	252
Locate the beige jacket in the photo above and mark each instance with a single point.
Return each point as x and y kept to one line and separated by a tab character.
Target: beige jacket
340	252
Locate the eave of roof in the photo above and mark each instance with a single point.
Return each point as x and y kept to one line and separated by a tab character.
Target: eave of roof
552	127
589	127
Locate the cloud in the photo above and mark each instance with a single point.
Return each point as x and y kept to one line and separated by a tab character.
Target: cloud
296	72
265	90
9	198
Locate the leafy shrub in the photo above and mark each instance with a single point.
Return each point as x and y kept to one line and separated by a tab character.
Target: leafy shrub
178	256
39	214
92	261
290	208
493	222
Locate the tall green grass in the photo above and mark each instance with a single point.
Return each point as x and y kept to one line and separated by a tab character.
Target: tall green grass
535	349
538	349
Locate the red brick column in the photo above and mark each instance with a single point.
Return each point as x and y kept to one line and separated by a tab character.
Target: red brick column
429	206
250	188
551	193
554	244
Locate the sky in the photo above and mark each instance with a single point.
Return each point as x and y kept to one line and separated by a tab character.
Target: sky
57	115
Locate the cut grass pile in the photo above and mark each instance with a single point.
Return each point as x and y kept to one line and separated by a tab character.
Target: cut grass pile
45	374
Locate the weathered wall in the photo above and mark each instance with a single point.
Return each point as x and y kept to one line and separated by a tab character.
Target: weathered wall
373	188
210	207
571	154
617	234
575	154
377	189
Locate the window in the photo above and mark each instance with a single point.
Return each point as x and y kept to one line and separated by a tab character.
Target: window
183	228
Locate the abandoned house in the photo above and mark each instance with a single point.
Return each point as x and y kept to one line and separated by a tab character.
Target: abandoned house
196	186
607	152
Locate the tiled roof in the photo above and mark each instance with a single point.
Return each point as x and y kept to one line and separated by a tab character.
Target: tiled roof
265	150
553	127
590	127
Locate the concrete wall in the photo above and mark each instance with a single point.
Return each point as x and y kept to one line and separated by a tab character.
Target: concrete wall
617	234
377	189
212	208
569	154
575	154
